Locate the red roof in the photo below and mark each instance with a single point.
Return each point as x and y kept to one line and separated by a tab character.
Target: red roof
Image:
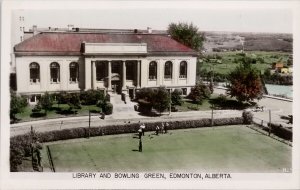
60	43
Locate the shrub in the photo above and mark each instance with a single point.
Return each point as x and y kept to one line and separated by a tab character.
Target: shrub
37	108
176	97
91	97
107	108
199	92
17	104
247	116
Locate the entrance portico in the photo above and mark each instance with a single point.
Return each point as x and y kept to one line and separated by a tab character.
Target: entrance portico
114	75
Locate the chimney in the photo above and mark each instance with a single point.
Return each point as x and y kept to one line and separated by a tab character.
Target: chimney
70	27
34	29
149	30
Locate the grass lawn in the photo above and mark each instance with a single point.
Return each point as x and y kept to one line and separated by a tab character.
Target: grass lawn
228	58
57	111
230	148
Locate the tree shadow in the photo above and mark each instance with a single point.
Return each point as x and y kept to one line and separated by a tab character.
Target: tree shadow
230	104
37	114
134	150
67	112
149	114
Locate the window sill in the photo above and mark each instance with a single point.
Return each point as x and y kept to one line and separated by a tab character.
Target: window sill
152	79
54	82
34	83
168	79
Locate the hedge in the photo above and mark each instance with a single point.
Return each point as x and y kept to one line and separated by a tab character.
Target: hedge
282	132
127	128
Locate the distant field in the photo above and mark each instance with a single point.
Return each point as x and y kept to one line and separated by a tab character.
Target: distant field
228	63
230	148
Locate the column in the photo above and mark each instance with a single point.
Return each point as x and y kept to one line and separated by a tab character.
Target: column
87	74
93	74
174	68
109	75
138	74
124	75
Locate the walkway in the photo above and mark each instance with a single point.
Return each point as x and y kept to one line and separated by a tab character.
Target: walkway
124	113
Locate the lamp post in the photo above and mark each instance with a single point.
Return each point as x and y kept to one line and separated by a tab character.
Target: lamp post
170	101
89	123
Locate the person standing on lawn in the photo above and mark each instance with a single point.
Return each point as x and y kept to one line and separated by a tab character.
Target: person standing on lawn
143	126
162	128
140	146
166	127
140	133
156	129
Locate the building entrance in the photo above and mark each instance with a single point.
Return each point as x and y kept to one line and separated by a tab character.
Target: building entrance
116	87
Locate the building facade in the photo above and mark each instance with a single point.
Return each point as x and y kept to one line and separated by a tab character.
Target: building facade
114	63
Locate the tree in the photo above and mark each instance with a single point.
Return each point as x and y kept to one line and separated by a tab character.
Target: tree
73	101
199	92
176	97
186	34
17	105
46	102
161	100
245	83
149	98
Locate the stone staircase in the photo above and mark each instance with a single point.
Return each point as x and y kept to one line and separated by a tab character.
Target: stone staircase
122	109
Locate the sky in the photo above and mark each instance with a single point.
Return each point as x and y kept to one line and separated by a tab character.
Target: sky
261	20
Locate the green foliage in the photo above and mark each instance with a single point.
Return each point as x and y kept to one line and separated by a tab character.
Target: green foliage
107	108
186	34
176	97
248	117
149	98
73	101
37	108
161	100
91	97
199	93
17	105
46	102
245	82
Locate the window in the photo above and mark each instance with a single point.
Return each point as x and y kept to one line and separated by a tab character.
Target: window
34	72
74	72
54	72
101	70
153	70
129	70
168	70
183	69
184	91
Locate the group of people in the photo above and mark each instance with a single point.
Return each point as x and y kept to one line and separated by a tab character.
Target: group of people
163	129
159	129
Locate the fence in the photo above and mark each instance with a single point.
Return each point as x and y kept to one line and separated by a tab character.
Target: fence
267	128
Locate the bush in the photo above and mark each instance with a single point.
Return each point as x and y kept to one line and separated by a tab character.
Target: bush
199	93
91	97
282	132
107	108
37	108
176	97
247	116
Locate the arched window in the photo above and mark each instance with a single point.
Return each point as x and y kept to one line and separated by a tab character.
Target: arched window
74	72
168	70
153	70
183	69
54	72
34	72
